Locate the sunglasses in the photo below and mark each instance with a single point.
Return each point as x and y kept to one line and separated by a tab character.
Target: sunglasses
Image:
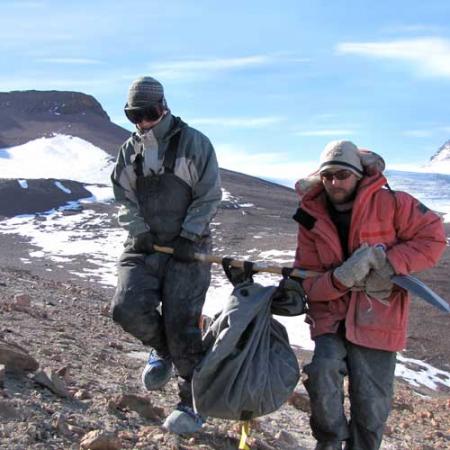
138	114
339	175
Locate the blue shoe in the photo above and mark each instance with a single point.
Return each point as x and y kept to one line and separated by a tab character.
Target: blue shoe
157	372
184	420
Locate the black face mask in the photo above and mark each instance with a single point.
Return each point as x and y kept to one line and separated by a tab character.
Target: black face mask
138	114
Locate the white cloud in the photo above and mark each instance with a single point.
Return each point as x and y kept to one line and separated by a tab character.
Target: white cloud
237	122
426	132
203	67
418	133
68	61
330	132
25	4
271	166
412	28
430	56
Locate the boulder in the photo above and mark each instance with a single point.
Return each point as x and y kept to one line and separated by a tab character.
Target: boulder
15	358
100	440
49	379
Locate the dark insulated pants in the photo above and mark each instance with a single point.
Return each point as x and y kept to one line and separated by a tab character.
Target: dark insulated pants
159	301
371	377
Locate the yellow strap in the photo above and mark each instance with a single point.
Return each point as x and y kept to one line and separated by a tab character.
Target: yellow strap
245	432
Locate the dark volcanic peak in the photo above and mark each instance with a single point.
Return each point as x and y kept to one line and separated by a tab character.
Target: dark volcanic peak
50	102
29	115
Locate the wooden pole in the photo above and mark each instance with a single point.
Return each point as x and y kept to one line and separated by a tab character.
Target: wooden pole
257	267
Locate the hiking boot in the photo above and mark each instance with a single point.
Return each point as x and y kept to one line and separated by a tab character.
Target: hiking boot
328	446
184	420
157	372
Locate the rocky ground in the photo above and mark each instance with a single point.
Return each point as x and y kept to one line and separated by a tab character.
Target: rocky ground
86	391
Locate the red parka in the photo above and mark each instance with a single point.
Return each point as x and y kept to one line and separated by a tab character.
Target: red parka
414	238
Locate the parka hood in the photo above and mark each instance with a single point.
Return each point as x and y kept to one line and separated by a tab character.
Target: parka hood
372	164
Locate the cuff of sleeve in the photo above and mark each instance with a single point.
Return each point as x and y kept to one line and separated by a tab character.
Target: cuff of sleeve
191	236
338	285
138	229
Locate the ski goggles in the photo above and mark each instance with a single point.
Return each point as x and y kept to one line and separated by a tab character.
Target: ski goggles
339	175
140	113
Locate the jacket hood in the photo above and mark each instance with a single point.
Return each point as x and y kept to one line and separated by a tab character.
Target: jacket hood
372	164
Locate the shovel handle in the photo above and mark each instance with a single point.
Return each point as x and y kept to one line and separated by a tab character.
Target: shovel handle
257	267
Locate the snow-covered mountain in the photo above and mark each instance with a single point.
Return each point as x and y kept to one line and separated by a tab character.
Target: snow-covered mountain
440	161
29	115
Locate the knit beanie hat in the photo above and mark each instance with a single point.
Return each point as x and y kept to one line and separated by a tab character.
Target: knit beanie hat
341	155
145	91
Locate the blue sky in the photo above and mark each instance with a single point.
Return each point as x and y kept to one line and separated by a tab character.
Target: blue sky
269	82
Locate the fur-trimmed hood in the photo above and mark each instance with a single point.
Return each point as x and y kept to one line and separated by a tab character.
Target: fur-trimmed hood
371	162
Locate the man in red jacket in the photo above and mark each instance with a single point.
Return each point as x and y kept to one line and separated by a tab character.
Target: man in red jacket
357	232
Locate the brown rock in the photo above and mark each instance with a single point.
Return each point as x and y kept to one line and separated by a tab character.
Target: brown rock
16	358
52	381
64	373
7	411
82	394
75	429
22	300
100	440
60	424
141	405
287	439
300	401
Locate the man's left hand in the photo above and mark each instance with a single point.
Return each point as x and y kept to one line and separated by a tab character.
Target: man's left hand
184	250
378	283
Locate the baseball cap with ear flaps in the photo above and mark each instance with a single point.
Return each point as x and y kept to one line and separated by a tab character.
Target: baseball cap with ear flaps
341	155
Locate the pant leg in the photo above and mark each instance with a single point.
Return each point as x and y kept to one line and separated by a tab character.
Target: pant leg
371	378
137	297
184	293
324	384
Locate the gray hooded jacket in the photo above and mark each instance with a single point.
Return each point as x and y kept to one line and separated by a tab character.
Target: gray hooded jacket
196	165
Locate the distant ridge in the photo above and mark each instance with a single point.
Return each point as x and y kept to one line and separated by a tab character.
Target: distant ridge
28	115
443	154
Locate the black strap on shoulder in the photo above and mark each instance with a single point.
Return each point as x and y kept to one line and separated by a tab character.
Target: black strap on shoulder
137	165
304	218
286	272
171	153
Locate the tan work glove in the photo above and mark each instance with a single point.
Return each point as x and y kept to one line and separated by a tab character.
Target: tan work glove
378	283
356	268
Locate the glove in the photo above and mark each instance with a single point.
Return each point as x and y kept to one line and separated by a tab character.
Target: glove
378	283
143	243
289	299
359	264
183	250
238	275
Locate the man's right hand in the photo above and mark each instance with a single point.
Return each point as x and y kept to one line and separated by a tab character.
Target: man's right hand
143	243
359	264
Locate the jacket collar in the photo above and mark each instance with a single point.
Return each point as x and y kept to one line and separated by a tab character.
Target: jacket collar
163	130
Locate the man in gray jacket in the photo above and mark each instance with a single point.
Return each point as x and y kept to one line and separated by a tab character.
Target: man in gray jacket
166	179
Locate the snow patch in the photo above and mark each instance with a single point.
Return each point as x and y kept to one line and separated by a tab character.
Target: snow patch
59	185
60	157
417	373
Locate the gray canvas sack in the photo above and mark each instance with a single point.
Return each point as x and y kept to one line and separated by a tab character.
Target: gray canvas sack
249	369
